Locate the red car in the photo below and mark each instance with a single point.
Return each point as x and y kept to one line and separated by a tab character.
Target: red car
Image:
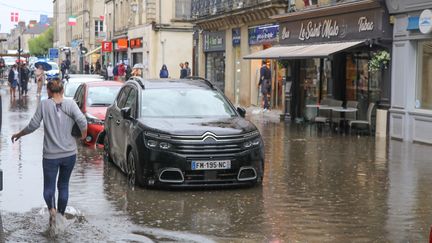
93	98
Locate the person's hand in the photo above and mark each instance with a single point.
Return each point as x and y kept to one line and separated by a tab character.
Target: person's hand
84	134
15	137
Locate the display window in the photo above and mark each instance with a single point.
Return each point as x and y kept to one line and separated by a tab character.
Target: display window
215	69
424	76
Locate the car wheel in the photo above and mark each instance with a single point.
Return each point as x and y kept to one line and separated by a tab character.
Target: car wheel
134	172
107	156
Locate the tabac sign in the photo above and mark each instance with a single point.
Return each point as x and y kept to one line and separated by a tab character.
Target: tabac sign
352	26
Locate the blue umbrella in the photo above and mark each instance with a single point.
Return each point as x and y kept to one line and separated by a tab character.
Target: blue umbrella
46	66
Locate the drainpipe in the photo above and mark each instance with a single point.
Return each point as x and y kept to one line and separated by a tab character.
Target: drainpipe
160	33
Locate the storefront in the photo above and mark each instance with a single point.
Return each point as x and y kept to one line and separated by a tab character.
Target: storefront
214	49
121	50
327	53
136	51
261	38
411	106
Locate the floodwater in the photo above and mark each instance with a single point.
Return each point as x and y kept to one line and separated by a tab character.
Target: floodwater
318	187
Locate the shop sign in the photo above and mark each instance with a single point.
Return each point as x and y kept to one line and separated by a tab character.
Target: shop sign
135	43
425	21
236	36
214	41
263	34
106	46
352	26
122	44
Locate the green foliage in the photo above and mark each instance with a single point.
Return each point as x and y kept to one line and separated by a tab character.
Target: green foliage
39	46
379	60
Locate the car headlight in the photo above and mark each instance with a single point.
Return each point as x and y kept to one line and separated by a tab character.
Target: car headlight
152	143
153	140
93	120
252	143
156	144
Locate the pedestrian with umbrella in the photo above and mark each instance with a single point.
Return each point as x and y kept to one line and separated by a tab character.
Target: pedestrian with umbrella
40	74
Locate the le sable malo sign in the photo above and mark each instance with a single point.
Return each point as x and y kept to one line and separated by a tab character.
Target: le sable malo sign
343	27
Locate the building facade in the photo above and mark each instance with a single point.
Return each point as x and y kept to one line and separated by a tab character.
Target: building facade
411	105
151	32
326	52
225	31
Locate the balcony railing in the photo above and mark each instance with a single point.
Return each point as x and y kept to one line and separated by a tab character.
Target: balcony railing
205	8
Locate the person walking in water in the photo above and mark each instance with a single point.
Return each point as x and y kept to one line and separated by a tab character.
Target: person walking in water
40	79
59	146
13	80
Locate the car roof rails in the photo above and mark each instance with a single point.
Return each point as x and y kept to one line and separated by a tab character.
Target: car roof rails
138	80
202	79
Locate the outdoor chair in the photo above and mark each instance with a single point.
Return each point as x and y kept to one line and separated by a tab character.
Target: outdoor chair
350	116
323	115
367	122
336	116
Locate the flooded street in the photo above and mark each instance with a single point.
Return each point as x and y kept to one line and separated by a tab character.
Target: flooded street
317	188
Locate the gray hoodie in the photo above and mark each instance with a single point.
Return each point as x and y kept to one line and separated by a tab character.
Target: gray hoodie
58	141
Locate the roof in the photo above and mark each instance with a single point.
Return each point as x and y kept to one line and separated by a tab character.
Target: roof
38	28
175	83
104	83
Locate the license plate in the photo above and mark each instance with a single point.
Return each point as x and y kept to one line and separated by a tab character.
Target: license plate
211	165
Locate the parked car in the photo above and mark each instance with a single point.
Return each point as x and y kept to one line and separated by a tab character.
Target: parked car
54	72
181	133
74	82
93	98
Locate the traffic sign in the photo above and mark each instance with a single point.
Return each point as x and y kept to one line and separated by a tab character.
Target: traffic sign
53	53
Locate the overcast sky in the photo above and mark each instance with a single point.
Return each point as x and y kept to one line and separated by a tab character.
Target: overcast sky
27	9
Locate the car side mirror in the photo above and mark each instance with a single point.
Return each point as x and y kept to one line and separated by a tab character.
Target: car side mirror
241	111
126	112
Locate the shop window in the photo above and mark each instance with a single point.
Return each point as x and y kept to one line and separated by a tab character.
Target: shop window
424	80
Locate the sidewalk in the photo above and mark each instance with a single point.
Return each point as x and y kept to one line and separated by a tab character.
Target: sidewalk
254	112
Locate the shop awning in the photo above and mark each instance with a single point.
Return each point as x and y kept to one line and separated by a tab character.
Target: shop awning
302	51
93	51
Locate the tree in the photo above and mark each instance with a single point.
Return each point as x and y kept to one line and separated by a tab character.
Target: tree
40	45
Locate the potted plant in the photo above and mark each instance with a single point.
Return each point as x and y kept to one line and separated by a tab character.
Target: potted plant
379	60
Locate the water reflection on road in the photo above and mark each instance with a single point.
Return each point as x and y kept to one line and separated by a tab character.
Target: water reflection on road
317	187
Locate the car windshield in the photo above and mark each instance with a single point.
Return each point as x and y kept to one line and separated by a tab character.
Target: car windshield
70	88
184	103
102	96
9	59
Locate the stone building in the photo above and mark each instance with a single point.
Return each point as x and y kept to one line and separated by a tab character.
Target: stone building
411	102
151	32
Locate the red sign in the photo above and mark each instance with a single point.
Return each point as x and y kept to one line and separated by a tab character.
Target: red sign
135	43
122	43
102	17
106	46
14	17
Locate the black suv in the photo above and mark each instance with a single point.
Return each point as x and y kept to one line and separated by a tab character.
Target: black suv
181	133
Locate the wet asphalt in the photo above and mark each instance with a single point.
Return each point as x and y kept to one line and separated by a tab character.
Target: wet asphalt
318	187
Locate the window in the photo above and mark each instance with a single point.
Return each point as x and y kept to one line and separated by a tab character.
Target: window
98	27
184	103
102	96
183	9
131	102
424	76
